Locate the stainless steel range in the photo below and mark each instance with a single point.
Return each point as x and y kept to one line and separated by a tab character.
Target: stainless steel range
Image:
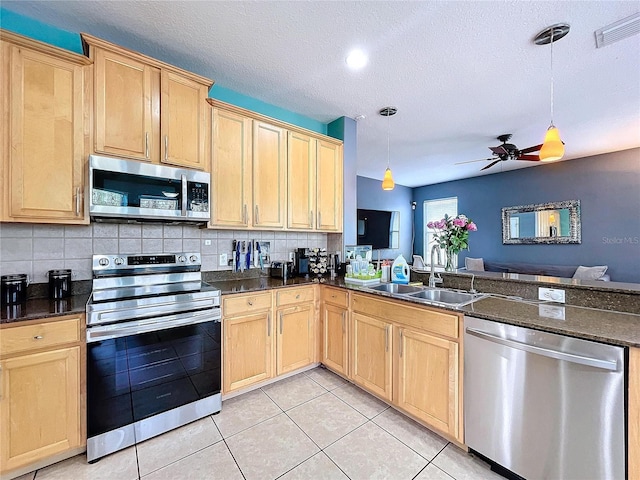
153	348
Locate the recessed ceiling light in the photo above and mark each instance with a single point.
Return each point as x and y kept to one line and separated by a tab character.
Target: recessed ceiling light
357	59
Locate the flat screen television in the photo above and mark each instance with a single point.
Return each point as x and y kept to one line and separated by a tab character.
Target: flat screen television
378	228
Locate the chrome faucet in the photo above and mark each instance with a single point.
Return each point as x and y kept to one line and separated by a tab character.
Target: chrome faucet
433	280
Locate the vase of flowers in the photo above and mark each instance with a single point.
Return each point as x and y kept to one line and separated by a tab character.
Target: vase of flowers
452	235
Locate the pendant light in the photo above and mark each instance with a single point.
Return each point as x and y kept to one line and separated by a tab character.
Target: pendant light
553	147
387	181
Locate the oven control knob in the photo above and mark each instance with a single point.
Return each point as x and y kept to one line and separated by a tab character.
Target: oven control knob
182	258
103	262
119	261
193	258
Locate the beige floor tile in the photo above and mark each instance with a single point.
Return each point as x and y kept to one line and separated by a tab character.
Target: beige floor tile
419	438
212	463
431	472
167	448
293	391
271	448
318	467
366	404
245	411
326	419
370	453
121	465
325	378
462	466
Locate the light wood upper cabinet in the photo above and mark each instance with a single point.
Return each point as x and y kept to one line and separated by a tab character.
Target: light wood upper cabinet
295	338
330	187
301	179
127	106
45	102
269	175
183	121
231	170
371	354
428	379
146	109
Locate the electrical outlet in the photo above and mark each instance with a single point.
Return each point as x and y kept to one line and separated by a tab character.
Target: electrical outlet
207	242
551	294
223	260
551	311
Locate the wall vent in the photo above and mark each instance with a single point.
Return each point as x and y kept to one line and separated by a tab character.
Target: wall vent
624	28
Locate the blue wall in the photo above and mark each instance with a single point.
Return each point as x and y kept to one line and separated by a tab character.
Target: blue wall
38	30
372	197
608	187
346	129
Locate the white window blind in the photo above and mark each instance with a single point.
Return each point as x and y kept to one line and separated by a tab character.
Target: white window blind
435	210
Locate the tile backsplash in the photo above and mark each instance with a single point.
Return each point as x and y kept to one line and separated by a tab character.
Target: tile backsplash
36	249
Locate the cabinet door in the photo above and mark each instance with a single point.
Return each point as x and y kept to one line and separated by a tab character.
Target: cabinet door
301	180
183	121
40	406
334	338
427	385
231	170
329	185
127	107
371	354
295	338
45	159
248	350
269	176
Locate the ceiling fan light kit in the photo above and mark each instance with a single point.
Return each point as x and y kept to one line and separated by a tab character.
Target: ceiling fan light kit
553	147
387	181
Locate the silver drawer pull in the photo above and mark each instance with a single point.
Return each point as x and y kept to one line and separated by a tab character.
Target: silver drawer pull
38	337
250	303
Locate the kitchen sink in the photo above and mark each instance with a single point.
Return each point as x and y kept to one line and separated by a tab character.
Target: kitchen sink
446	297
396	288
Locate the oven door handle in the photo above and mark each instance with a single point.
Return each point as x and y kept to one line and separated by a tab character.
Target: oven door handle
105	332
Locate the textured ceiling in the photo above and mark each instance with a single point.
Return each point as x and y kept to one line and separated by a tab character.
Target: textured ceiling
459	72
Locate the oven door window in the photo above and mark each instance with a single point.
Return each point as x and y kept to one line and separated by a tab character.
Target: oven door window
135	377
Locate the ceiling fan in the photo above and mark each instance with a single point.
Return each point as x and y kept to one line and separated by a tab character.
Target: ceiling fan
508	151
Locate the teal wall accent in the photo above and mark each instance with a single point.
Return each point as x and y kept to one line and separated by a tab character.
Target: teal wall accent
40	31
226	95
336	129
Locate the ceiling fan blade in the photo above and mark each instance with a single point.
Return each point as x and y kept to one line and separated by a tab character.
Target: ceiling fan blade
474	161
533	158
531	149
499	150
490	165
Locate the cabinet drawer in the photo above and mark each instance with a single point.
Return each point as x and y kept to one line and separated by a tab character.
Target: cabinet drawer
287	296
240	304
336	296
423	318
33	337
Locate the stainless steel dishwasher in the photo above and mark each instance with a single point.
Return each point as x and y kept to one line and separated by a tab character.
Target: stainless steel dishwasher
544	406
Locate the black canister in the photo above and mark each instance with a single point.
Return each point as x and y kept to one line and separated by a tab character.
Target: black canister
59	284
14	288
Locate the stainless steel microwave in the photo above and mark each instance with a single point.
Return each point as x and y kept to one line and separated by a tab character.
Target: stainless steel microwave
129	190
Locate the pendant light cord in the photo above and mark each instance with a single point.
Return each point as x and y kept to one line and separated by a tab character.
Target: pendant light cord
388	140
552	77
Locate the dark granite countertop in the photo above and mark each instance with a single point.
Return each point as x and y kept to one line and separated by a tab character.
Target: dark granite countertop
267	283
38	308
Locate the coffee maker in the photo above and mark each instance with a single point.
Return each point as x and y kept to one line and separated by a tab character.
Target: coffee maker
301	262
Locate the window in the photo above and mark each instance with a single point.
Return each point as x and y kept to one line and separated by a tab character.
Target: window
435	210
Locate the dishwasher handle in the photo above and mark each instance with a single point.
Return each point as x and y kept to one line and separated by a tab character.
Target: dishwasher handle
545	352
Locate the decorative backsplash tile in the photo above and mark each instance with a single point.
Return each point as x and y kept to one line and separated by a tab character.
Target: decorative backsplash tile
36	249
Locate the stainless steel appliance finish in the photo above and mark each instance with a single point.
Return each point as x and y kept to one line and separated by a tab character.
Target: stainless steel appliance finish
544	406
153	348
129	190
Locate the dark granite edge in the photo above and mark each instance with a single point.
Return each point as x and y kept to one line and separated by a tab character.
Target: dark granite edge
41	308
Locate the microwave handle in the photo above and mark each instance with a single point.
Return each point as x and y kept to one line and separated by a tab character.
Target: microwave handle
184	195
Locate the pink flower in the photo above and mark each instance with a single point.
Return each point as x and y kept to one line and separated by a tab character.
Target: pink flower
458	222
472	227
440	224
430	225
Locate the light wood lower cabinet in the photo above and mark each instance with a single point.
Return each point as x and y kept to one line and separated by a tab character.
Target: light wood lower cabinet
295	338
335	347
371	355
427	379
42	406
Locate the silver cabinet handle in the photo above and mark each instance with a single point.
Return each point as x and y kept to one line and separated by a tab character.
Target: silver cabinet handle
38	337
250	303
245	215
269	324
281	326
77	201
400	346
1	392
310	218
545	352
146	145
297	296
386	339
256	220
166	148
319	219
343	322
